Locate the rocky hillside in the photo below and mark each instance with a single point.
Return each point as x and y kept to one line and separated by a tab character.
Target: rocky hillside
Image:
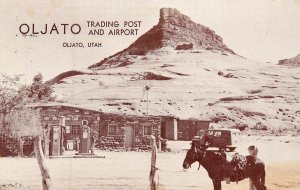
294	61
173	30
191	74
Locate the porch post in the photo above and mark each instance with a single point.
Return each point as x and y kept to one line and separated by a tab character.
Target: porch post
175	129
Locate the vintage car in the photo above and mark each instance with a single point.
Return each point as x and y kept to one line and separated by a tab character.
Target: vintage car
222	139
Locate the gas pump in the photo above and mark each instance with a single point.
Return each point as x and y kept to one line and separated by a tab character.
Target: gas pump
55	136
84	137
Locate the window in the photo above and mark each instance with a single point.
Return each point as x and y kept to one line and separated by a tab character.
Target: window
85	122
112	129
68	129
148	130
75	129
210	133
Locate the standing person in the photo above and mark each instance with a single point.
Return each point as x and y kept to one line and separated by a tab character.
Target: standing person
21	148
253	152
202	137
92	144
77	144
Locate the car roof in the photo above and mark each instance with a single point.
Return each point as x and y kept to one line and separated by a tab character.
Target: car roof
224	129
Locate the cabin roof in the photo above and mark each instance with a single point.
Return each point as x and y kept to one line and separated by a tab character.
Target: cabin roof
58	104
224	129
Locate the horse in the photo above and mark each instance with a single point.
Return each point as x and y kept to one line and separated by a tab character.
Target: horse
219	168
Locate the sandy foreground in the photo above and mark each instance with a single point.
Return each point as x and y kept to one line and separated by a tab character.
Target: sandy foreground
130	170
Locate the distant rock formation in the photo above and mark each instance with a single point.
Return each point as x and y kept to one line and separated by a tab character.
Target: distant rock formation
58	79
173	30
294	61
150	76
178	28
184	46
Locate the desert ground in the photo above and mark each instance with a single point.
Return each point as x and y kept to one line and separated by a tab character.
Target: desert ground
130	170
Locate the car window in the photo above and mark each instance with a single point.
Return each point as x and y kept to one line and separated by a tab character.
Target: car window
226	134
217	133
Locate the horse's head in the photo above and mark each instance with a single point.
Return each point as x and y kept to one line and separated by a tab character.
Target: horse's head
192	156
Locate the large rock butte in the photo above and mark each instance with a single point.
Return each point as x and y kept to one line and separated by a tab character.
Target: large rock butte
172	30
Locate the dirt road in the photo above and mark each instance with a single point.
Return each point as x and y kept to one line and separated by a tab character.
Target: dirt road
130	170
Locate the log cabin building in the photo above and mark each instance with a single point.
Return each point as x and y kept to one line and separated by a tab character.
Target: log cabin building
111	131
81	126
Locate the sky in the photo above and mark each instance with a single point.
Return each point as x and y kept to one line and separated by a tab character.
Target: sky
260	30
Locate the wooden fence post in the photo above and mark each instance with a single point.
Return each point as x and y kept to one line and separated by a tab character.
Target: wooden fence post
152	176
46	179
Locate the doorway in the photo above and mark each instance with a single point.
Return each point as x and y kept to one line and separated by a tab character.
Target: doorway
163	129
129	136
